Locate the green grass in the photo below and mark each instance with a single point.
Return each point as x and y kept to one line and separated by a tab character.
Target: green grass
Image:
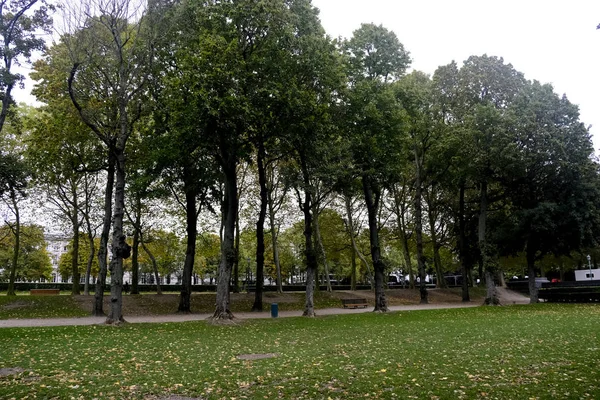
26	306
545	351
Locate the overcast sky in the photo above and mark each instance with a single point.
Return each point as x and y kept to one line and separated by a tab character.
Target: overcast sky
551	41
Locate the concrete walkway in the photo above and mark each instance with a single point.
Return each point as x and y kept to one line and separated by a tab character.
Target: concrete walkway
24	323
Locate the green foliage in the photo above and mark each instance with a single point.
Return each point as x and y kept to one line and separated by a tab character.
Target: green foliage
65	267
167	250
34	262
22	23
208	254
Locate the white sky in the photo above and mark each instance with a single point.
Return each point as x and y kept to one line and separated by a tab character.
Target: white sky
551	41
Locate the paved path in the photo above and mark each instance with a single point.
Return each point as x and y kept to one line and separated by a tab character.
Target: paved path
15	323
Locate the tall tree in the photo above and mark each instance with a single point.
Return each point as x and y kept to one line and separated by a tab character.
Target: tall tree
15	177
22	24
552	182
33	261
62	152
486	88
376	58
110	51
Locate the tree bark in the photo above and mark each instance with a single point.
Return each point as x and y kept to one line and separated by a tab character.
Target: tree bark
371	194
230	206
437	262
90	260
491	297
419	228
400	209
462	243
309	252
90	237
75	290
191	216
260	228
350	229
135	248
236	264
533	290
16	230
154	267
274	239
120	248
103	250
319	241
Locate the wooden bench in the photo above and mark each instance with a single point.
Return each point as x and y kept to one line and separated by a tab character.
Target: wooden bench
44	292
355	303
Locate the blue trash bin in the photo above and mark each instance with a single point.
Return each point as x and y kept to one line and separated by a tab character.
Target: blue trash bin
274	310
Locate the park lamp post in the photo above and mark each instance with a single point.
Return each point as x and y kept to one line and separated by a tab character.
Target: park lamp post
590	266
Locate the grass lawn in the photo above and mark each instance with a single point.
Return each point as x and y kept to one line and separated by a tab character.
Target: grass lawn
25	306
544	351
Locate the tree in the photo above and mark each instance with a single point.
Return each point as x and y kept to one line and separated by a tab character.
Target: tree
311	136
376	58
162	254
33	262
65	263
62	152
486	88
552	183
110	54
21	24
15	176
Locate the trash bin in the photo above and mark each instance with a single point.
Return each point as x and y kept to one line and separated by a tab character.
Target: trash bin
274	310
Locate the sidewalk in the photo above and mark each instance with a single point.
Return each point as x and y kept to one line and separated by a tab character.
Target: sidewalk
81	321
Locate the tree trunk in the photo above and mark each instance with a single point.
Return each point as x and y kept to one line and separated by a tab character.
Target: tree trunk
75	255
90	237
154	267
191	216
135	249
230	206
419	229
350	229
533	290
309	252
103	250
372	203
90	260
352	269
462	242
260	228
355	249
16	230
274	239
491	297
120	248
236	264
311	258
441	282
400	209
319	241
